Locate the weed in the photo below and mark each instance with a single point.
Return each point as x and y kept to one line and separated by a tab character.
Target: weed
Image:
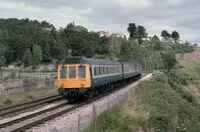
8	102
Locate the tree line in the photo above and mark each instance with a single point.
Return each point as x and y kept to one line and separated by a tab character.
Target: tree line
30	42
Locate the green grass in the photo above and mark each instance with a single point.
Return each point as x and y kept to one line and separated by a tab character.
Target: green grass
18	98
161	103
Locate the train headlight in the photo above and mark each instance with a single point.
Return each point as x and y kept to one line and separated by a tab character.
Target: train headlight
62	85
82	85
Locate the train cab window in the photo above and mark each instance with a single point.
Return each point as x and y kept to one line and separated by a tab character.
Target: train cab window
72	71
63	72
81	72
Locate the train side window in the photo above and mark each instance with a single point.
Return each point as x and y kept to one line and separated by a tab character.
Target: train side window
108	70
95	71
112	70
63	72
101	70
72	71
104	70
81	72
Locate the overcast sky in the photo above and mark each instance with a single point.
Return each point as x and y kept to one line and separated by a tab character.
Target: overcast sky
112	15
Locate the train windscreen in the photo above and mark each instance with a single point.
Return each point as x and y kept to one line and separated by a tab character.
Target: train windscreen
81	72
72	72
63	72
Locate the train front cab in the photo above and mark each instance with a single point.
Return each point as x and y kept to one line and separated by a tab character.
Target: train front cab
73	76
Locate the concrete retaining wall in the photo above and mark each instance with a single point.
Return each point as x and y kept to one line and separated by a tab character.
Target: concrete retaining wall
16	86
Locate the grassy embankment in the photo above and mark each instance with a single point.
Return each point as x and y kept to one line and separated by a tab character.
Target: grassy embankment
18	98
168	102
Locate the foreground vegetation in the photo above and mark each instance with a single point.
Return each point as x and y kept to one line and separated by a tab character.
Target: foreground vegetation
168	102
18	98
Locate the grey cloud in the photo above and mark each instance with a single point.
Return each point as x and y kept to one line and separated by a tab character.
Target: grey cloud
180	15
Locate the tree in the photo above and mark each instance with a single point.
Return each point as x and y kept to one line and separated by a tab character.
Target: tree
37	55
155	38
175	35
169	59
165	34
132	29
2	54
195	45
141	32
27	58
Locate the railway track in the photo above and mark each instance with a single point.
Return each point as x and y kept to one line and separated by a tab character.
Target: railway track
16	109
25	122
31	120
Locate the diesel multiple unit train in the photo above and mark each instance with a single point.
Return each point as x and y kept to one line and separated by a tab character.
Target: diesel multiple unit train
78	75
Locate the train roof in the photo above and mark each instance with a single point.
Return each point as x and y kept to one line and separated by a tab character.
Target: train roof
78	60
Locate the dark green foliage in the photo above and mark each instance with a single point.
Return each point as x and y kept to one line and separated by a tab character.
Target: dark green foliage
2	55
27	58
141	32
132	29
175	35
37	55
169	59
165	34
136	32
20	37
130	50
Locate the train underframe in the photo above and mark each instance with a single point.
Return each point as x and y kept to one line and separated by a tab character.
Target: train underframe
76	94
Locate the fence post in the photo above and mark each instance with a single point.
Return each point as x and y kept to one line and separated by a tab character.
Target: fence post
40	75
108	102
118	97
94	115
79	120
19	74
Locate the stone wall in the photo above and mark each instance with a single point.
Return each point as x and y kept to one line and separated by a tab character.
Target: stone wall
20	85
